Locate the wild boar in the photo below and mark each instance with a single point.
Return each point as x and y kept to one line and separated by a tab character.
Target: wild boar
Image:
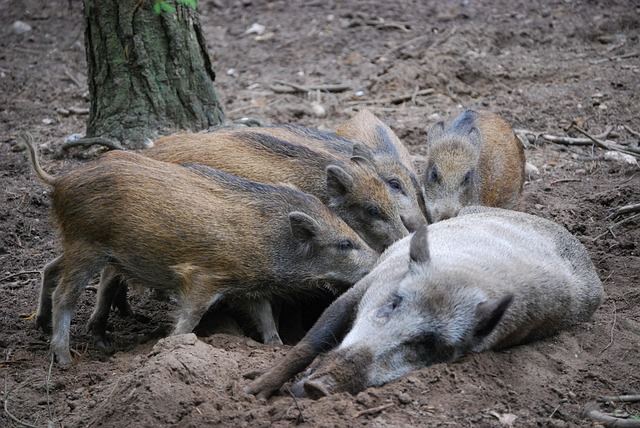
477	160
376	141
349	187
487	279
368	137
204	234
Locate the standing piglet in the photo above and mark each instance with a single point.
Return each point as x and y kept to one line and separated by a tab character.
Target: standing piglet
477	160
487	279
201	233
349	186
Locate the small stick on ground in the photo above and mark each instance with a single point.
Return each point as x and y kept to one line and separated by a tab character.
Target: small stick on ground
300	418
620	399
565	180
616	58
627	209
592	411
631	131
6	402
26	272
619	223
374	410
395	100
613	326
90	141
601	143
282	87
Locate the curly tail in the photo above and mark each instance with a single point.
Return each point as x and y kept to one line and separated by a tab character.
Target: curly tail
27	141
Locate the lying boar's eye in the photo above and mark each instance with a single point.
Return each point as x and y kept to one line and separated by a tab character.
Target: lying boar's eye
386	310
395	184
345	245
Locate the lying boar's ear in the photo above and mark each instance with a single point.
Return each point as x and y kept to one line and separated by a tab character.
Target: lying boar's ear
489	313
435	132
419	246
303	227
339	182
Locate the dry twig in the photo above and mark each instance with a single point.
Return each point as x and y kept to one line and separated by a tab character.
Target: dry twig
592	411
90	141
616	58
619	223
602	144
374	410
26	272
282	87
613	326
620	399
7	393
395	100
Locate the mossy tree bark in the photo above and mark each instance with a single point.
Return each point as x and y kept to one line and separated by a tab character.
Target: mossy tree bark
149	74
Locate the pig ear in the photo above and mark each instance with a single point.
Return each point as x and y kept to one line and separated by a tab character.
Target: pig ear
419	246
303	227
475	137
362	151
435	132
339	182
489	313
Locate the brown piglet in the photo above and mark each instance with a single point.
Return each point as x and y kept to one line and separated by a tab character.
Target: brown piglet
477	160
349	187
206	235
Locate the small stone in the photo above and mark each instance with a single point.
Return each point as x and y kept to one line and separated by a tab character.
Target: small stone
255	29
318	110
20	27
404	398
538	207
47	121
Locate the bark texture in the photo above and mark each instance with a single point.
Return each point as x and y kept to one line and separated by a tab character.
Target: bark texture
149	74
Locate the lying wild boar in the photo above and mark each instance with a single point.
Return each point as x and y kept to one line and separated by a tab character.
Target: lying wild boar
349	187
477	160
202	233
487	279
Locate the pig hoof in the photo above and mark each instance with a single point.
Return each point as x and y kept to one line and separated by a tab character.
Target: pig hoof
273	340
43	323
315	390
103	344
63	358
252	375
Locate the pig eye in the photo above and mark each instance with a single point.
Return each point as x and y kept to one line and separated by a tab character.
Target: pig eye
395	184
373	211
346	245
433	175
386	310
467	178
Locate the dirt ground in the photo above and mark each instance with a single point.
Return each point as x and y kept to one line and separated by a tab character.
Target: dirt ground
541	64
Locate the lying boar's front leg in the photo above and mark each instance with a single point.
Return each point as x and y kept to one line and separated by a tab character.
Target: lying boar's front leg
325	334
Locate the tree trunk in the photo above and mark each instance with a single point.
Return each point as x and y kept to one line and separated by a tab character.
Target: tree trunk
148	74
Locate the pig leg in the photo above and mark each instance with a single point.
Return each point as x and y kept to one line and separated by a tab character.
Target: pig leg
50	278
108	290
261	313
325	334
72	283
200	292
